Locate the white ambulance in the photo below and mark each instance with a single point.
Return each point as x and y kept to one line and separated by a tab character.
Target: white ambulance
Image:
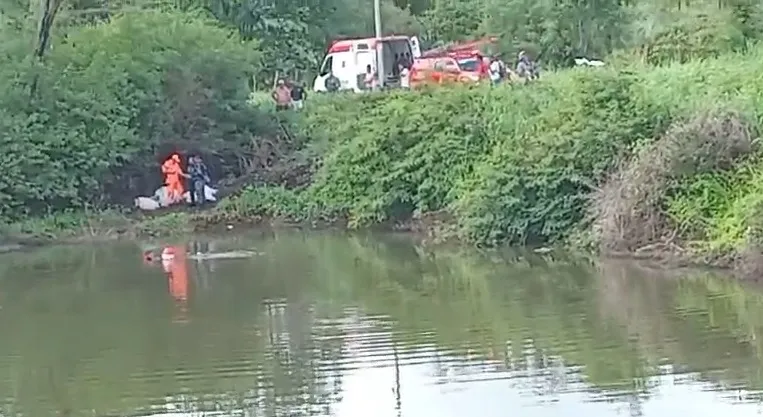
345	64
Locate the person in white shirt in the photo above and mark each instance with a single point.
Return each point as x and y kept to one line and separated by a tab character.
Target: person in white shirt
405	77
496	71
526	68
370	79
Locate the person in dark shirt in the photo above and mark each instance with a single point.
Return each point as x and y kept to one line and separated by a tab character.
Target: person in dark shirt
298	96
199	179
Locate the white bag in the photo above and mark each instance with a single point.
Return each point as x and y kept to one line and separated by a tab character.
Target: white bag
160	195
146	204
210	193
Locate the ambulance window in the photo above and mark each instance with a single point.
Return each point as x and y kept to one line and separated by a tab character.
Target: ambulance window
327	64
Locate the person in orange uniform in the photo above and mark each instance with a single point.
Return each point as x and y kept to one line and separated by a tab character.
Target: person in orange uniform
172	177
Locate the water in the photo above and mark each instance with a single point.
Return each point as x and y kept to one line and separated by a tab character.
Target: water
331	325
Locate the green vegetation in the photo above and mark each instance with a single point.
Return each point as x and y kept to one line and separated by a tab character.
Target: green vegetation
656	31
629	151
93	99
89	226
495	166
111	100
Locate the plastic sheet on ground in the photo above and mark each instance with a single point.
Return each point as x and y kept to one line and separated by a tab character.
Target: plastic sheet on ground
161	199
146	203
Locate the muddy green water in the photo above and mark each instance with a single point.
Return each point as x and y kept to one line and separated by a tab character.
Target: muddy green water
334	325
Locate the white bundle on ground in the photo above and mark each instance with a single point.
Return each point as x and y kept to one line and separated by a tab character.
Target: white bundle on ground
210	194
146	203
160	195
588	62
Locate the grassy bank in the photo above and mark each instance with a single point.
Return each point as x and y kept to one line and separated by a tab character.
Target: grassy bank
637	159
84	226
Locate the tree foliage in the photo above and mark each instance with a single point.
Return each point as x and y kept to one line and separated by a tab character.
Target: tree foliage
121	82
556	31
110	98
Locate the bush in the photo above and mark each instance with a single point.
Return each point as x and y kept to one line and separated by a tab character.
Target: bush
113	100
514	164
526	164
560	141
629	211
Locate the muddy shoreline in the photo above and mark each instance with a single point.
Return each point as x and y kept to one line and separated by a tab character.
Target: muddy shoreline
151	227
430	229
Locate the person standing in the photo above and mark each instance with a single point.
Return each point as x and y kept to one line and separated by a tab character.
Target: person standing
199	180
282	96
172	173
408	62
405	77
298	96
332	83
526	68
370	79
496	71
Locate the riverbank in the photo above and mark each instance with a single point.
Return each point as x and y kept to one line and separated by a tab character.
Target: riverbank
113	225
650	162
81	227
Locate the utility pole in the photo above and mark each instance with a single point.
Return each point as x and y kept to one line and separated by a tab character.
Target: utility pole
379	49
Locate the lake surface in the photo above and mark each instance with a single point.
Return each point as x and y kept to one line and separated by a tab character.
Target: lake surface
349	326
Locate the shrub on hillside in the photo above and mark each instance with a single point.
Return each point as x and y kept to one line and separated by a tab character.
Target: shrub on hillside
716	208
113	99
533	185
399	153
514	164
629	211
519	163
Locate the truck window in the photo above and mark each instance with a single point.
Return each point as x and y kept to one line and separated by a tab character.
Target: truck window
327	64
451	66
469	64
362	59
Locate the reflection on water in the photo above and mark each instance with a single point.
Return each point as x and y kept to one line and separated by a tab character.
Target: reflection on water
329	325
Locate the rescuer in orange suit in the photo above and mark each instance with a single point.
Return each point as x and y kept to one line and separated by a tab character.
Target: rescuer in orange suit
172	172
